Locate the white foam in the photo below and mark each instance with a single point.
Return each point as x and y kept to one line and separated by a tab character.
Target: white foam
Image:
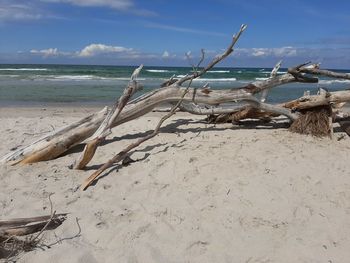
9	76
218	71
74	77
82	78
269	72
209	80
214	80
324	82
158	70
23	69
261	78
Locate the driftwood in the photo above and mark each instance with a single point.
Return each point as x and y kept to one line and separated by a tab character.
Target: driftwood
124	153
334	99
32	228
26	226
204	101
104	130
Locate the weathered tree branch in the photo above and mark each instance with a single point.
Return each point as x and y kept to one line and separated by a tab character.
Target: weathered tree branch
327	73
327	98
104	130
122	154
216	60
272	75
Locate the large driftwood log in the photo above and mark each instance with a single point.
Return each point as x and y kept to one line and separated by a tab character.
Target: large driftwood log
55	143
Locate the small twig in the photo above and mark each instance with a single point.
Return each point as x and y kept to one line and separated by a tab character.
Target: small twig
67	238
201	59
52	214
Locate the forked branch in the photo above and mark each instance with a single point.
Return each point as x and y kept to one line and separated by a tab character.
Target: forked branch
216	60
104	130
122	154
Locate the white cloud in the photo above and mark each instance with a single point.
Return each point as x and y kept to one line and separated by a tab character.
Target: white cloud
116	4
279	52
100	49
121	5
165	54
285	51
258	53
9	11
50	52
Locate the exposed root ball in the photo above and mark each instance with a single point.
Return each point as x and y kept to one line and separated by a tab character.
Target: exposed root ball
313	121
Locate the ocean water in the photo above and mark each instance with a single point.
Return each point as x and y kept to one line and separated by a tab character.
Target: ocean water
81	84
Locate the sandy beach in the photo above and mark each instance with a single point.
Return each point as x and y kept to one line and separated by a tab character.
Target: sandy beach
198	192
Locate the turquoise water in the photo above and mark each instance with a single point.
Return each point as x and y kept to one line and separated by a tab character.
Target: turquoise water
80	84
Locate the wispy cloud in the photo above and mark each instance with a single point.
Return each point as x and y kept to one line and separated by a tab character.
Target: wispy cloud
50	52
183	29
116	4
278	52
121	5
11	11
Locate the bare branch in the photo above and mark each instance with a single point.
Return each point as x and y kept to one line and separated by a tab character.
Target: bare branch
322	72
272	75
250	101
104	130
201	59
52	214
122	154
296	72
216	60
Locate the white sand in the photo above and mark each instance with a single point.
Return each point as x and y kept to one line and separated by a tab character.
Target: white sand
200	193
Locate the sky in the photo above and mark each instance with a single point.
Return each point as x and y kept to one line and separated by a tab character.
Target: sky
161	32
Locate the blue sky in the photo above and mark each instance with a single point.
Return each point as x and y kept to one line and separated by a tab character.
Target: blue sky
160	32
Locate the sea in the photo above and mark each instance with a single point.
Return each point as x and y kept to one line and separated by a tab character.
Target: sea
42	85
